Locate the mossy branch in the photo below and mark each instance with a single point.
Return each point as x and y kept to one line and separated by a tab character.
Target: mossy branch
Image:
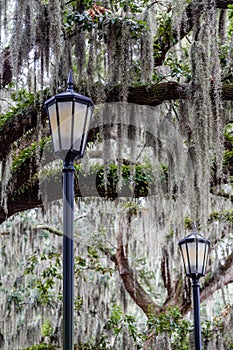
153	95
49	229
169	38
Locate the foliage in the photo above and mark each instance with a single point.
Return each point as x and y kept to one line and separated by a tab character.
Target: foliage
173	323
228	152
226	215
22	100
117	323
228	158
97	23
42	346
28	153
138	178
188	224
99	18
228	132
216	327
230	16
179	68
164	33
170	323
91	262
51	274
15	297
48	277
47	329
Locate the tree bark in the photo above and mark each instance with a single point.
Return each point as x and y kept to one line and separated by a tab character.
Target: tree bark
167	40
222	275
131	284
223	4
179	295
152	95
16	127
13	129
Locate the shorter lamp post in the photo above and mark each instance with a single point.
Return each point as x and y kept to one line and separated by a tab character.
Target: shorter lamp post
69	118
194	249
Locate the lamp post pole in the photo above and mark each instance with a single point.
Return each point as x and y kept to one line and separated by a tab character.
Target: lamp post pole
68	255
69	119
196	312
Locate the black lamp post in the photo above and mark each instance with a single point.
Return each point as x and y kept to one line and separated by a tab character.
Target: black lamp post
194	249
69	118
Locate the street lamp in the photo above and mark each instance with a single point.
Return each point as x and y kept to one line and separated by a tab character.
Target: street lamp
69	118
194	249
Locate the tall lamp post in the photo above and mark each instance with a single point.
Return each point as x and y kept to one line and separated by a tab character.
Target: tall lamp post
69	118
194	249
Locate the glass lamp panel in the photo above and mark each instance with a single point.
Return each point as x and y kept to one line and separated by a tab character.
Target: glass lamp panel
79	124
65	118
185	257
87	126
54	127
201	257
205	258
192	254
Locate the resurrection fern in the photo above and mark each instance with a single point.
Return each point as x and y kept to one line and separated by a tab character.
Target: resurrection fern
42	346
22	102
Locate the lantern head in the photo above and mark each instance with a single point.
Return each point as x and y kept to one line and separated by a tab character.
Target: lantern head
194	249
69	118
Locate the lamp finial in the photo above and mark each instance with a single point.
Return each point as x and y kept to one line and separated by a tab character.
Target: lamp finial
194	226
70	81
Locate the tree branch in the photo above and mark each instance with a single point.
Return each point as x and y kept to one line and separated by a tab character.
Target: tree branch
129	279
5	233
152	95
223	274
193	11
16	127
49	229
223	4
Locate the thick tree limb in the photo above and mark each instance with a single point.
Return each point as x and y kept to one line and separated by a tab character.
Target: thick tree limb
158	93
36	192
223	4
16	127
20	201
13	129
154	95
167	40
180	293
222	275
214	286
142	95
132	286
